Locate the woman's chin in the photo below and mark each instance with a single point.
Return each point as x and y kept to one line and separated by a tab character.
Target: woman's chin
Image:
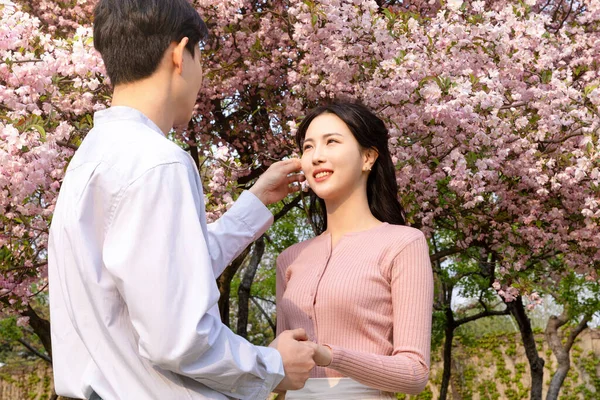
325	195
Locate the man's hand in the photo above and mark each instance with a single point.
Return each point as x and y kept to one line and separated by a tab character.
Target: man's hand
297	356
276	182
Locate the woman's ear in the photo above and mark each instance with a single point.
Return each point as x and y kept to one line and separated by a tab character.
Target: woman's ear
369	157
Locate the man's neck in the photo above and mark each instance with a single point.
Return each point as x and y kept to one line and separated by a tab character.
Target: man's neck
151	98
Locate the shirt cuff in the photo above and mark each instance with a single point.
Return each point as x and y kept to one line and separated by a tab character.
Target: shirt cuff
275	371
252	212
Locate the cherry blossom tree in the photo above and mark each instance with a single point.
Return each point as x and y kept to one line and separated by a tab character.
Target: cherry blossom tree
494	115
493	109
50	84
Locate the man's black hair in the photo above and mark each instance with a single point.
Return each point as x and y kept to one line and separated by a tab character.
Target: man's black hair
133	35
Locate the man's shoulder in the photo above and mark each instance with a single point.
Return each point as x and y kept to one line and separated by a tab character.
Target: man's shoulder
155	150
127	149
143	143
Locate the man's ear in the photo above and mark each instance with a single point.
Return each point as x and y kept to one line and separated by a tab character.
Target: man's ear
369	157
178	52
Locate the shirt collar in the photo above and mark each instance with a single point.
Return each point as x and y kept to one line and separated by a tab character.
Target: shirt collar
124	113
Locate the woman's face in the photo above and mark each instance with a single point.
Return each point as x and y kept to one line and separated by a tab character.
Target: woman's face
332	159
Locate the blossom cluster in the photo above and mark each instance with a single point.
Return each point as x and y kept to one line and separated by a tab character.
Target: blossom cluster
493	117
493	111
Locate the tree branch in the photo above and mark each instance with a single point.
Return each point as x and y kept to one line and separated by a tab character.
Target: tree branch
62	143
286	208
482	314
35	351
575	332
562	140
263	299
517	104
263	312
244	180
438	255
34	60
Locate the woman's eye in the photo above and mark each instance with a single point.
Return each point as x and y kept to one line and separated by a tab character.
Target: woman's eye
331	141
307	147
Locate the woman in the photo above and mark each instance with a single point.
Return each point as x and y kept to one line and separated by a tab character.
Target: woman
363	288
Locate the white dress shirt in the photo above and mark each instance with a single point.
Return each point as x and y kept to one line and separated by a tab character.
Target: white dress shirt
132	269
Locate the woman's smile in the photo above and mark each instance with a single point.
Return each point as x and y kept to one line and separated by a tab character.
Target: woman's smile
321	175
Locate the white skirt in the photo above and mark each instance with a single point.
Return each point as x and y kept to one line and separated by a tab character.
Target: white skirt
336	389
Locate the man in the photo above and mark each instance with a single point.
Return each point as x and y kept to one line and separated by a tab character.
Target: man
132	262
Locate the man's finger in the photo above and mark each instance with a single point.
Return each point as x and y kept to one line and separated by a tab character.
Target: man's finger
291	165
299	334
290	160
310	344
296	178
294	189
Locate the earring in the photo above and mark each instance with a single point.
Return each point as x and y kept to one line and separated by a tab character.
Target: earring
368	169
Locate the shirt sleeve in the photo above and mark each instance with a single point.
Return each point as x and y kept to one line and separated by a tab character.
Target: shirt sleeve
156	251
241	225
280	286
407	369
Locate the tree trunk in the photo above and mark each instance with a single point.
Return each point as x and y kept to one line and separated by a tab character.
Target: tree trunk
536	364
561	352
224	280
246	285
224	283
41	327
446	289
194	148
449	337
455	381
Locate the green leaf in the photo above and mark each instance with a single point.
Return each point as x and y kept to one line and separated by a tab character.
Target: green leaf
388	14
589	89
546	76
9	330
41	131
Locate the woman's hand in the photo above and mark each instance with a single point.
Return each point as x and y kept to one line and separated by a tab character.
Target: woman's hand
323	354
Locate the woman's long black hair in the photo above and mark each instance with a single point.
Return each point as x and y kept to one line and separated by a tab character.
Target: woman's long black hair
370	132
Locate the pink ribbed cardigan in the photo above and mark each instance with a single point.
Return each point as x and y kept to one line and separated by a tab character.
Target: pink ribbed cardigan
370	299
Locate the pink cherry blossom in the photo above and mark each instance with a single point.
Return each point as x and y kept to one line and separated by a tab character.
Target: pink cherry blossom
493	113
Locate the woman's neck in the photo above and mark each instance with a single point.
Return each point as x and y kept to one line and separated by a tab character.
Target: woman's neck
352	214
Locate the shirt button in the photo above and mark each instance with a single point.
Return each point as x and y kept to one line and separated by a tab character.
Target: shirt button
310	317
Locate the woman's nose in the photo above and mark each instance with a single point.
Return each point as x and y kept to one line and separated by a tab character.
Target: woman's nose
318	156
